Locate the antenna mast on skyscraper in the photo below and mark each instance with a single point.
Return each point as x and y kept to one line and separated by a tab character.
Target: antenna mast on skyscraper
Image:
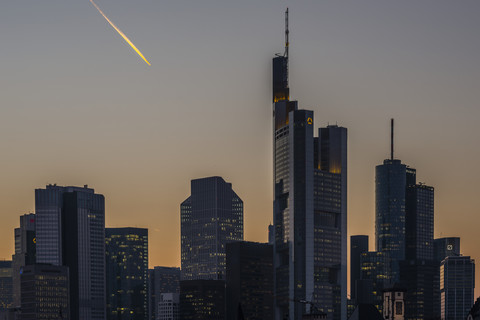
286	34
391	142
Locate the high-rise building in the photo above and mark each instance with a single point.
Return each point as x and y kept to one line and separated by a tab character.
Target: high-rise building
392	179
419	222
211	217
202	300
44	292
161	280
70	231
358	245
310	208
25	252
404	228
6	287
126	251
168	306
375	267
249	280
457	284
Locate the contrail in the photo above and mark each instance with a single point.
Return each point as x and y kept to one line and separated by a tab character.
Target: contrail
121	33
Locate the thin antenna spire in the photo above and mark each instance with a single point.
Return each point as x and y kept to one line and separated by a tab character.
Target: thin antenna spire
391	142
286	34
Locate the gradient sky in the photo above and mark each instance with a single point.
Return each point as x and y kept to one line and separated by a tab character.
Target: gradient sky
78	106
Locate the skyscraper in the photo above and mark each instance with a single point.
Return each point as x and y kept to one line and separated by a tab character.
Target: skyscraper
70	227
358	245
249	280
162	280
457	284
310	207
126	252
25	252
211	217
404	228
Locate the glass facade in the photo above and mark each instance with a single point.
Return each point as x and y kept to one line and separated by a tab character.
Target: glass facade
126	251
202	300
70	231
44	292
25	252
162	280
6	285
457	284
210	218
375	266
249	280
310	221
358	245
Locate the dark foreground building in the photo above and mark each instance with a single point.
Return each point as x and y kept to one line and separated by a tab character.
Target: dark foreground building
249	280
44	292
6	287
202	300
161	280
126	252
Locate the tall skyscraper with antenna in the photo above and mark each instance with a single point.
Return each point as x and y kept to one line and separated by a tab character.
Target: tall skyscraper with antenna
310	207
404	231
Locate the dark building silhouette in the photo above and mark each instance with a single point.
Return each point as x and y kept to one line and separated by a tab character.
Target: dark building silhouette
44	292
211	217
358	245
310	207
375	271
249	280
126	251
457	284
6	285
70	231
202	300
162	280
25	252
366	312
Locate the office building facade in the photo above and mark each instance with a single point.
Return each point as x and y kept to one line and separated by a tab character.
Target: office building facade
168	306
44	292
211	217
375	267
70	231
202	300
358	245
126	251
445	247
6	285
457	284
310	208
161	280
249	280
25	252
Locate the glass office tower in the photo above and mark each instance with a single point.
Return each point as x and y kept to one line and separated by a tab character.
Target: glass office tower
210	217
457	284
70	231
126	252
310	208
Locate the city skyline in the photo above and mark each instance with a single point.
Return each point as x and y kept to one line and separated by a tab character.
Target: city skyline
78	127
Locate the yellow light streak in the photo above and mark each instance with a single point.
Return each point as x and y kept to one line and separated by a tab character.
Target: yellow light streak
121	33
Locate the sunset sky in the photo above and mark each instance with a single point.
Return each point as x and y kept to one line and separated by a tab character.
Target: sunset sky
79	106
